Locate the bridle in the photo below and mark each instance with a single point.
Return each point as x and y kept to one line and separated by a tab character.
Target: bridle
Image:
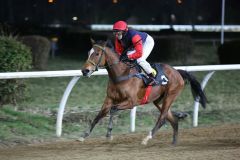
96	65
100	59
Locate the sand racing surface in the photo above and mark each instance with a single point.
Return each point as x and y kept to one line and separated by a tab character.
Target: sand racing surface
218	142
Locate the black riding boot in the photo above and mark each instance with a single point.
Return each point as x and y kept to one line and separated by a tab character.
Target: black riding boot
152	80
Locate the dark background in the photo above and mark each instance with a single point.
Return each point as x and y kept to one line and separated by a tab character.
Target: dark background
54	18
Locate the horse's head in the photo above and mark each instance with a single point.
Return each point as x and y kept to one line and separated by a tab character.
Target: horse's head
96	58
102	54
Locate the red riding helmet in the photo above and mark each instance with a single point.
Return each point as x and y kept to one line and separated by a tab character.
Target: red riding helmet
120	26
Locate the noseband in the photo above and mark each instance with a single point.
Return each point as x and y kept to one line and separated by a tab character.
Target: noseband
100	59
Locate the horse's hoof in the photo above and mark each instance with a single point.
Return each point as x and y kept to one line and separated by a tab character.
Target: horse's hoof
144	142
81	139
174	143
110	138
86	134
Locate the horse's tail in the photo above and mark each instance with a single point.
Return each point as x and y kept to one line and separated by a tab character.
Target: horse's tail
197	91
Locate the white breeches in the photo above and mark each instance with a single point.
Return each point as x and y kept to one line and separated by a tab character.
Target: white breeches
147	48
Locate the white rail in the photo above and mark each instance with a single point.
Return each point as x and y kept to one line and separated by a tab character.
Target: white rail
77	73
71	73
180	28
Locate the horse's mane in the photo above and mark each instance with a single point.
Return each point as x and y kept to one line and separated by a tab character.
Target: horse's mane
109	43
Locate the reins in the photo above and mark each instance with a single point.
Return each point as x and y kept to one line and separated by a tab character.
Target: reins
117	79
131	65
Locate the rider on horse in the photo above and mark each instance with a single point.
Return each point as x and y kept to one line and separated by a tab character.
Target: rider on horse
134	45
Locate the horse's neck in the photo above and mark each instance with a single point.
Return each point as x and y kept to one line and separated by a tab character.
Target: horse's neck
115	68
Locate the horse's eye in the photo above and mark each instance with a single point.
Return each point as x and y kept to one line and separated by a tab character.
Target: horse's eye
97	54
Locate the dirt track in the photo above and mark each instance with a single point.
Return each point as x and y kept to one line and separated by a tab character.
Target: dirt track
219	142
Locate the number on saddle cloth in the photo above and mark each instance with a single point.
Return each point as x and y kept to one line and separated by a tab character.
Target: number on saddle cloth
160	77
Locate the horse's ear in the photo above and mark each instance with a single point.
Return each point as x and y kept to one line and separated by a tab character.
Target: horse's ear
92	41
106	42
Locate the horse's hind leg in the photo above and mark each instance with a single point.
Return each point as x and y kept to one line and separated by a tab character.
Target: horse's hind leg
167	101
173	121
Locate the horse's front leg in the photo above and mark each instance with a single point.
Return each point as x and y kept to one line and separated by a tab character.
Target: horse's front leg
102	113
110	125
121	106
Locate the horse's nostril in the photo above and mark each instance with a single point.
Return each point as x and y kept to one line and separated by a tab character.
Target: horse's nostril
85	72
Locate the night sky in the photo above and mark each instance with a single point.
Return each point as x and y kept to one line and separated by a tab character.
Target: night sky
84	12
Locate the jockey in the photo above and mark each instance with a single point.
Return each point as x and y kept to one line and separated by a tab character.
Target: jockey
136	45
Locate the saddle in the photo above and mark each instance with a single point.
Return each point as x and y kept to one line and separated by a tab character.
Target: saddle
161	78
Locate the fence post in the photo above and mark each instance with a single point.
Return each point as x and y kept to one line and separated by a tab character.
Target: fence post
63	103
133	119
196	103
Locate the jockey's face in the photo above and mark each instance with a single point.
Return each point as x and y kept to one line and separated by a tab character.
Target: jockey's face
119	34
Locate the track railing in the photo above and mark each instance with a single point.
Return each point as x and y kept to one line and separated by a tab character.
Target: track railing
76	74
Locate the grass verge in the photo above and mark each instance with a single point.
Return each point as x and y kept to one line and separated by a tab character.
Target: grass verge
34	118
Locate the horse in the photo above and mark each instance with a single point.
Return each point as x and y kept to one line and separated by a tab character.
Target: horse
124	90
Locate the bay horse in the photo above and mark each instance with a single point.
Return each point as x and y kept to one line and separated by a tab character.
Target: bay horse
125	91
